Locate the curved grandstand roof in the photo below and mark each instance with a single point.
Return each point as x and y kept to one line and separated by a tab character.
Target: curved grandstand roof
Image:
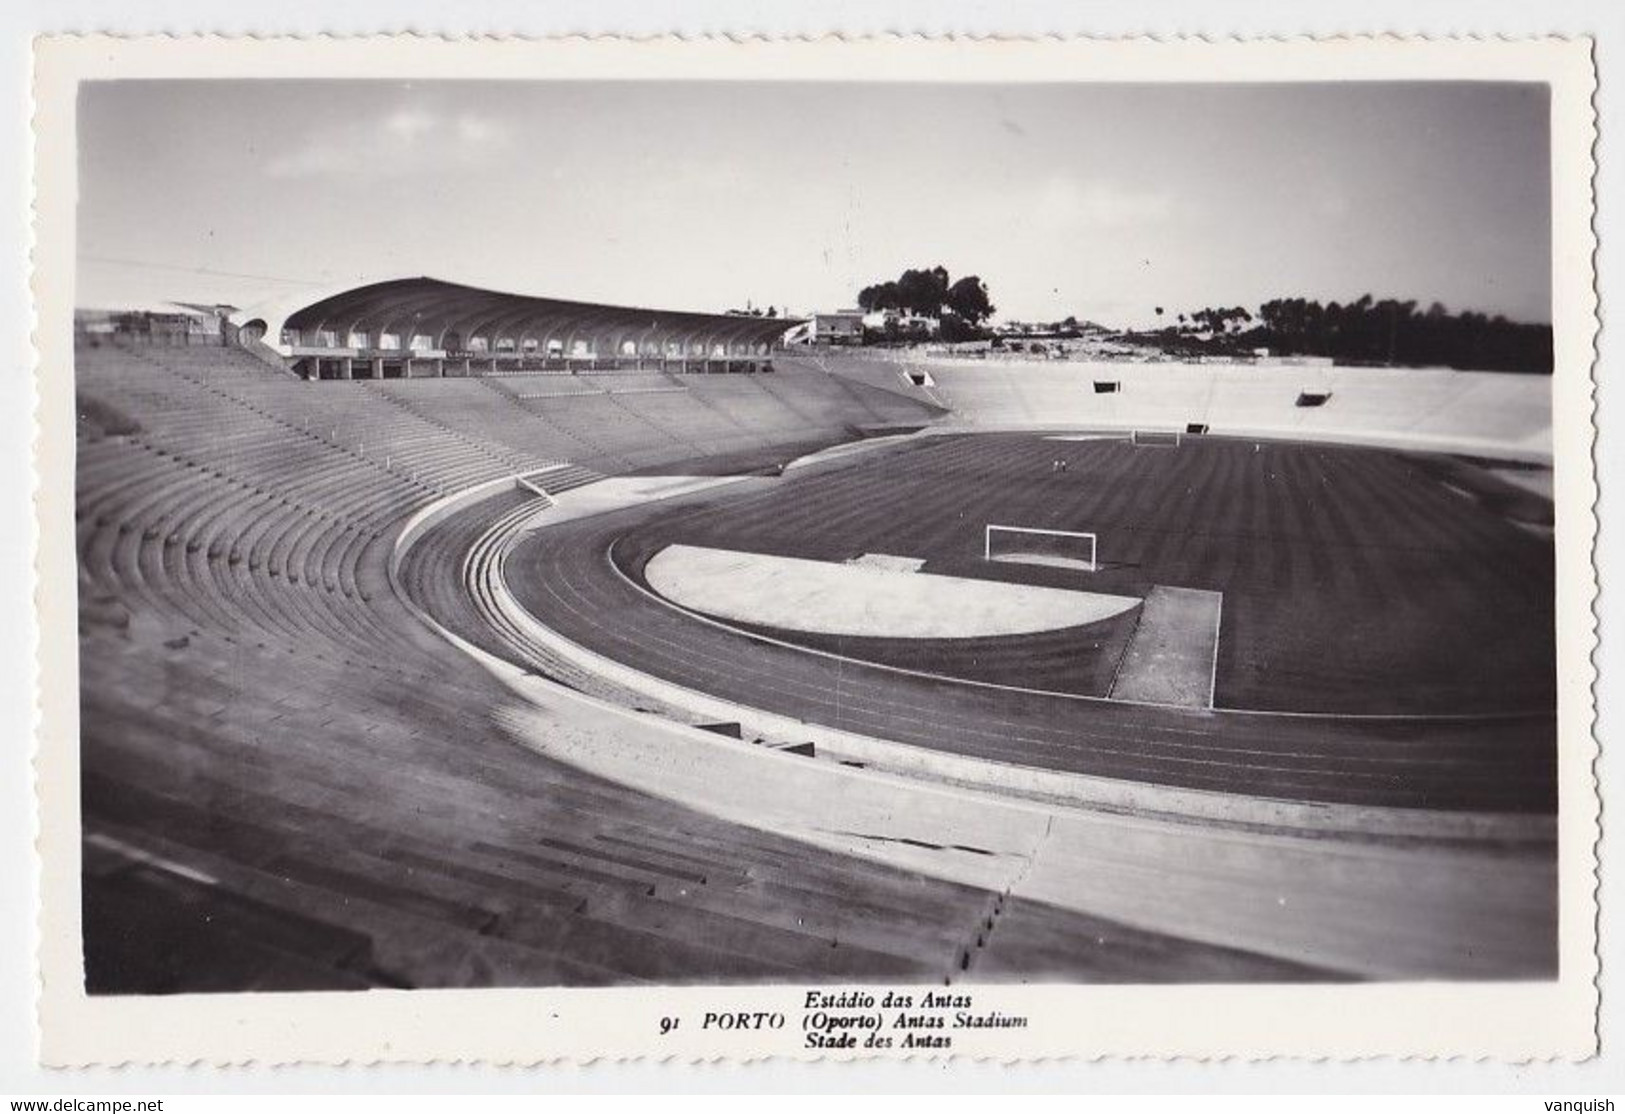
431	306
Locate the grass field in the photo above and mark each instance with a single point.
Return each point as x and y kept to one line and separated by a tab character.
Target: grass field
1355	580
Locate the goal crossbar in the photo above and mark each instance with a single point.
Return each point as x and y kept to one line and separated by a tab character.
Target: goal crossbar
1082	536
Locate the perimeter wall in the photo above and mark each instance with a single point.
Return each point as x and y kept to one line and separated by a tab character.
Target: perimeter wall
1494	413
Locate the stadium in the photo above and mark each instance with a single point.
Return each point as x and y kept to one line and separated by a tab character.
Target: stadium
435	636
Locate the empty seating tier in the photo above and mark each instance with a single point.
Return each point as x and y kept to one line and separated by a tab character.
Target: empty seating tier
258	705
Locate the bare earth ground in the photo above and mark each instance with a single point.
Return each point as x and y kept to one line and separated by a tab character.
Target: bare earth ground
858	598
1171	658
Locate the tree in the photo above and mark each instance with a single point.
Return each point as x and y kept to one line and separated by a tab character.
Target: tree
968	299
882	295
924	291
1392	331
961	307
955	329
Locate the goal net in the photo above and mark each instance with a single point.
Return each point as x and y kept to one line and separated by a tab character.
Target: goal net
1032	545
1156	438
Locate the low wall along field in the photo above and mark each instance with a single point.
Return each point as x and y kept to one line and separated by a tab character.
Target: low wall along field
1495	413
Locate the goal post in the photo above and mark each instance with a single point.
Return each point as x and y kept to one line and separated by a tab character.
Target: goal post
1036	545
1156	438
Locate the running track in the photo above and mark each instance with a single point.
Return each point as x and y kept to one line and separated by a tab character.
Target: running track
563	574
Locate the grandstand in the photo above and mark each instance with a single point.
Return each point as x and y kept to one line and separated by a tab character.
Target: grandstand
427	328
1501	414
374	691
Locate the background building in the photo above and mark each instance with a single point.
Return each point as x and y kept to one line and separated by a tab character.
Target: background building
839	327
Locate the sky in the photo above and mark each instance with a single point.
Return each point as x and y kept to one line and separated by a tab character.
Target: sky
1101	201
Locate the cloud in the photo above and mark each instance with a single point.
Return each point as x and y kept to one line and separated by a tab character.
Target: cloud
1065	203
408	124
477	131
406	141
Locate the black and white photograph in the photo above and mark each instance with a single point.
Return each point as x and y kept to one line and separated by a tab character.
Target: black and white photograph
938	537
